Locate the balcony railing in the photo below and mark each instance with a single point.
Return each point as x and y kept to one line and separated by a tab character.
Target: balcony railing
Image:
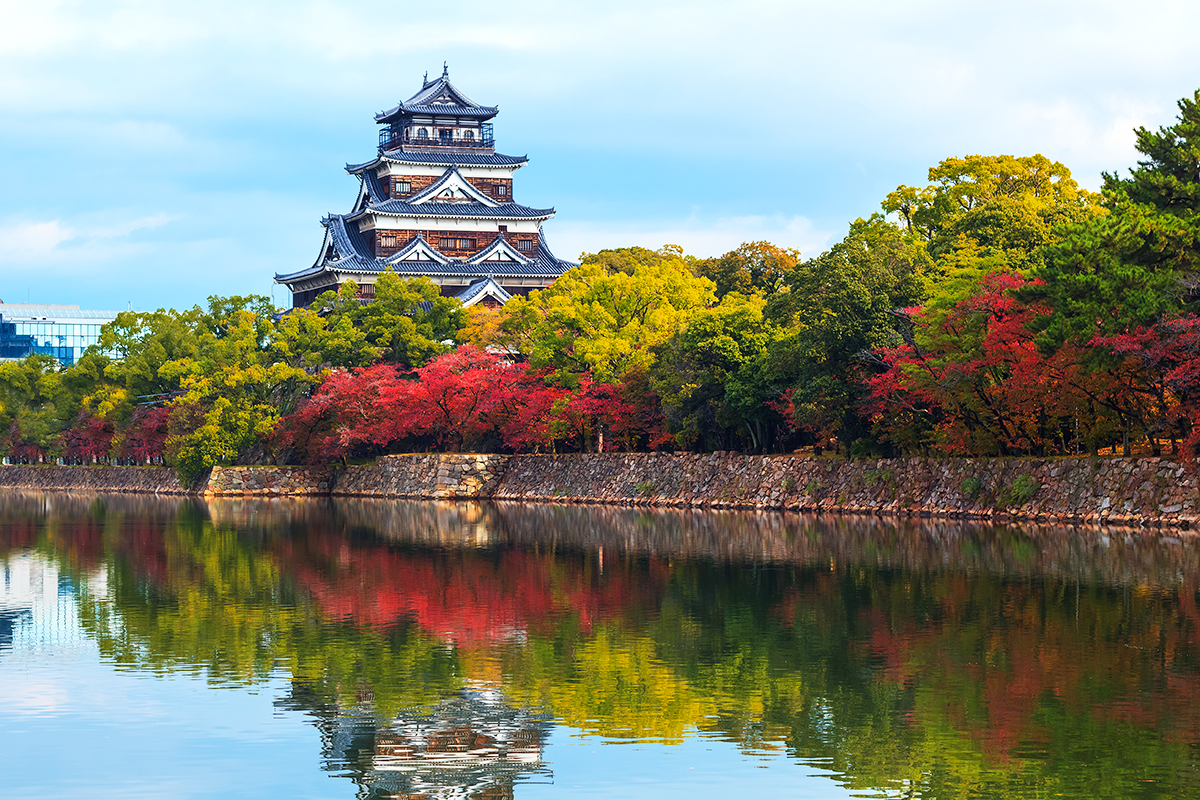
390	141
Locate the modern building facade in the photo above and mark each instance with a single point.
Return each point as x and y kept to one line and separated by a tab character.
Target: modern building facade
436	201
61	331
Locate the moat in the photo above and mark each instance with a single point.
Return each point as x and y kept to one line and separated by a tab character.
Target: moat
374	648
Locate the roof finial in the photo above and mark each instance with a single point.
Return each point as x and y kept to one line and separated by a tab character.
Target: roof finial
425	79
445	69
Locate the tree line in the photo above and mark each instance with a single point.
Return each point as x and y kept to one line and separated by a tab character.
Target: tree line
999	309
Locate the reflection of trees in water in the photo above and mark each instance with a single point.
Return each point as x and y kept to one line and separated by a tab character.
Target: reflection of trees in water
473	744
966	657
1111	556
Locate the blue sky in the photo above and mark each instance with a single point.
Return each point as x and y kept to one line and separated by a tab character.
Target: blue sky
155	153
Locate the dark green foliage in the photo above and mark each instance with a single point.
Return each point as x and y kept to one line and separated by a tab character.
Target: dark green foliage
833	311
1022	490
1140	261
713	380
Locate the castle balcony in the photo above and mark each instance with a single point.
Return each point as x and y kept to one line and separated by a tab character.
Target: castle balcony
442	142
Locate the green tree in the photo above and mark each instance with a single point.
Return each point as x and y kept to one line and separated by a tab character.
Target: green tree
754	267
980	214
234	390
408	322
602	321
628	259
1140	261
142	342
33	406
311	341
835	309
710	376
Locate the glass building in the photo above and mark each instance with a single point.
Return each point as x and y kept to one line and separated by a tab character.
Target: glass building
61	331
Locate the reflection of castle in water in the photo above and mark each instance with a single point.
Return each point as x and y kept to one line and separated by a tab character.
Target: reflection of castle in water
473	745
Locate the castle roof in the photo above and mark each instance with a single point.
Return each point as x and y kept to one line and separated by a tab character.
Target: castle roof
481	289
438	97
351	254
441	159
454	210
449	197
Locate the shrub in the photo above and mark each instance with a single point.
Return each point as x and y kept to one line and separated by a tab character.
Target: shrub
1023	488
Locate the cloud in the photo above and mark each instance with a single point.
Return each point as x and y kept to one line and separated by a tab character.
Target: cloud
698	237
31	244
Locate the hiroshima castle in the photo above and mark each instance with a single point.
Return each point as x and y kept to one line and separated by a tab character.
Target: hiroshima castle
436	201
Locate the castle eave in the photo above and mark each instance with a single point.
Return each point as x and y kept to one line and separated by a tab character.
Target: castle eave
509	211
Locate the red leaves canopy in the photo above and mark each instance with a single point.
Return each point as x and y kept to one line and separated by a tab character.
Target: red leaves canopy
463	399
974	381
1167	356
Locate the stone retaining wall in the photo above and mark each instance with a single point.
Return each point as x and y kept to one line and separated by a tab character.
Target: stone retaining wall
1134	492
1119	491
267	481
426	475
51	478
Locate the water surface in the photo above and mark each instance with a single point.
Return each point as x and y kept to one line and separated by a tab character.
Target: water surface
153	647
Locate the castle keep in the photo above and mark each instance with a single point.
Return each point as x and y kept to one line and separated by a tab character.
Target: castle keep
436	201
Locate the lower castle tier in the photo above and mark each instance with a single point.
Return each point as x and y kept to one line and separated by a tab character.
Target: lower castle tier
437	201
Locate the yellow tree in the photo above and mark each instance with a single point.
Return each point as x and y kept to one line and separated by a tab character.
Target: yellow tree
605	321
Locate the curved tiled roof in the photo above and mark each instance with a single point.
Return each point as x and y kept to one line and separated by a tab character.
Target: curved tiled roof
498	245
546	257
374	187
461	210
347	239
416	244
442	160
352	255
441	97
481	287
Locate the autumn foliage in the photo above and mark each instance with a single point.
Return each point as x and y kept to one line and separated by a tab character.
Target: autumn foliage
465	399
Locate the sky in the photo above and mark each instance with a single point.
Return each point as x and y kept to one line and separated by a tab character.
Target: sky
154	153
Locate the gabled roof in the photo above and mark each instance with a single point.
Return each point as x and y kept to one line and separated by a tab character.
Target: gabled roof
441	159
439	97
483	288
498	250
451	187
417	250
459	210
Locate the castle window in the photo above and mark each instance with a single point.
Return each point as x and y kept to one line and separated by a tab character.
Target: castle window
422	134
387	240
403	187
453	243
524	244
501	190
468	135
